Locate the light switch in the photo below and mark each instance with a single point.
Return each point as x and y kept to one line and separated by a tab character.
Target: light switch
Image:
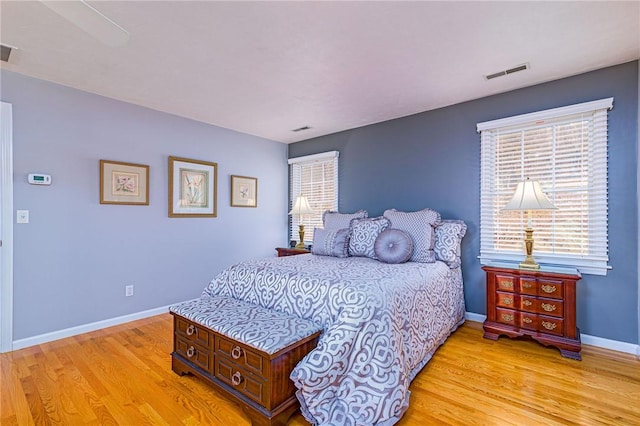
22	216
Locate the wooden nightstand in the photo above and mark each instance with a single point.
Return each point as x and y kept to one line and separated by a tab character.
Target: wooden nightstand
285	251
540	304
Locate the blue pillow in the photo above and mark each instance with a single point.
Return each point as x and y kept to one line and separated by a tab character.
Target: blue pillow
330	242
393	246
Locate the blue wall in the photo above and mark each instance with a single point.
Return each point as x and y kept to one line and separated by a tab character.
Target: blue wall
74	258
432	160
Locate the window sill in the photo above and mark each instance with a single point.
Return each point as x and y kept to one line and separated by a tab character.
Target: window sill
585	266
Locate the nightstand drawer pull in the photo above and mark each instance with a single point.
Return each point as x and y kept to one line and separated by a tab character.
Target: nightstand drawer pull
236	379
526	285
527	302
505	284
190	330
191	351
236	352
507	300
549	325
548	307
549	288
507	317
527	320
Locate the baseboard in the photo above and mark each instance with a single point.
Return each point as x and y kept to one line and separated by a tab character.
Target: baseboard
85	328
586	339
474	317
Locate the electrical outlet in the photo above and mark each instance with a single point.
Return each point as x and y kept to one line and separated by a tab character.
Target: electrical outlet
128	290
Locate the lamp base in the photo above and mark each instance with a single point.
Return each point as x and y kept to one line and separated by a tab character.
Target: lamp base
300	245
529	263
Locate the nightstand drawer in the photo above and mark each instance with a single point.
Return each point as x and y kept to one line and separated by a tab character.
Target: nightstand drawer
551	307
507	300
552	289
505	283
541	287
551	325
539	305
507	316
541	323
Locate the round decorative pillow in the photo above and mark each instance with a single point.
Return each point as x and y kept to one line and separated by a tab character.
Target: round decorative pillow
393	246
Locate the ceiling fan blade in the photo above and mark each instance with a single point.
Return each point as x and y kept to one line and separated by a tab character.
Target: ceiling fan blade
91	21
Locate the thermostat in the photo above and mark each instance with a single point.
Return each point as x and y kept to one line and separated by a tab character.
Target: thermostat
39	179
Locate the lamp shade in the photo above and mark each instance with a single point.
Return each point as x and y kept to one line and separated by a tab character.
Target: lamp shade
301	207
529	196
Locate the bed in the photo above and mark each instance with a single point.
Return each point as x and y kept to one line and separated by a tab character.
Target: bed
381	324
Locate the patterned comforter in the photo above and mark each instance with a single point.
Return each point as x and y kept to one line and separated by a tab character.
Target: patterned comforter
382	323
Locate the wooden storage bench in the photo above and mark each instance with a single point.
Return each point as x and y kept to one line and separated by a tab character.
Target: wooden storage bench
245	351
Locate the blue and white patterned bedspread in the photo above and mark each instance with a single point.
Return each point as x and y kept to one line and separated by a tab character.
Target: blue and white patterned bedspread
382	323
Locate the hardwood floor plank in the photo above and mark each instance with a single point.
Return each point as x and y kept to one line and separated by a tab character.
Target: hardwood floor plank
122	376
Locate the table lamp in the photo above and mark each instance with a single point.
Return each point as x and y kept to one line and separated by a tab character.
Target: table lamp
301	208
529	196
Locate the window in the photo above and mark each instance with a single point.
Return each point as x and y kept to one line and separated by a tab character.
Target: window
565	149
315	177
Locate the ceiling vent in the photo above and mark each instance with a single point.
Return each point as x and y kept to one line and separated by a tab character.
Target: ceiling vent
506	72
5	51
300	129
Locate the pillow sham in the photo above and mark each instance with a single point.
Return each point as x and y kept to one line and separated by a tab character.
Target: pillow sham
393	246
448	236
363	234
335	220
331	242
420	227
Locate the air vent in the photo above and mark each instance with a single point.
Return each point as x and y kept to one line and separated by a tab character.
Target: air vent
5	51
300	129
509	71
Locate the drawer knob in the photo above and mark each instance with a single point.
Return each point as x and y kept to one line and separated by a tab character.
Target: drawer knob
507	300
191	351
236	379
507	317
549	307
190	330
527	320
527	302
549	288
549	325
236	352
526	285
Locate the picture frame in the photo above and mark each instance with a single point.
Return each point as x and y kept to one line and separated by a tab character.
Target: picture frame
244	191
124	183
192	188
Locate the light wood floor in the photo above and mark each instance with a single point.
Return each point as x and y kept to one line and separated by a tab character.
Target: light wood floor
122	375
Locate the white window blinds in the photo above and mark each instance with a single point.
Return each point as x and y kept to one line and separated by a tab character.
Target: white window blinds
315	177
565	149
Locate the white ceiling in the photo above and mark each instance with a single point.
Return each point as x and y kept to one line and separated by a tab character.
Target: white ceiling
265	68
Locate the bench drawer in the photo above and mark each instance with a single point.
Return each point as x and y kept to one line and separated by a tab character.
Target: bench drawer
241	380
241	355
192	332
193	353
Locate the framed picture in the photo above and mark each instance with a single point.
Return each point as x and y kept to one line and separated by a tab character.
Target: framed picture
192	188
244	191
124	183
